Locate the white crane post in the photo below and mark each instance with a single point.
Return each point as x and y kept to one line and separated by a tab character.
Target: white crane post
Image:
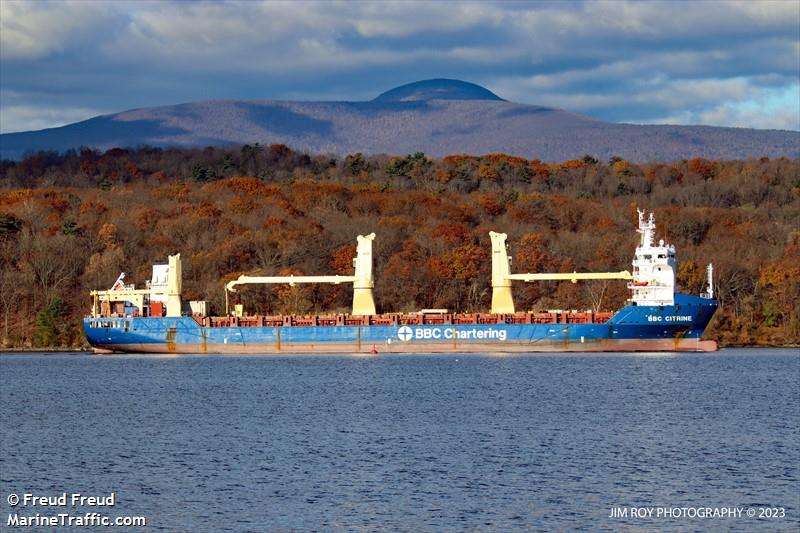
174	284
363	301
502	299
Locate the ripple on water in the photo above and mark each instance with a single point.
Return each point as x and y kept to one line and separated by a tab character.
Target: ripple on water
407	443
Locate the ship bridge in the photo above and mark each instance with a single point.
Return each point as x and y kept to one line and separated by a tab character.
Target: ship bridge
654	267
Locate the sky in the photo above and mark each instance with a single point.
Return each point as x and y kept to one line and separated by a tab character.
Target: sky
721	63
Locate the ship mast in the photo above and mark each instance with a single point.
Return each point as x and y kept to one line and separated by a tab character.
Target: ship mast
710	283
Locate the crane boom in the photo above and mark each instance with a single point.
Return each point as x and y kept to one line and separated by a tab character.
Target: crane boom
291	280
502	299
573	277
363	302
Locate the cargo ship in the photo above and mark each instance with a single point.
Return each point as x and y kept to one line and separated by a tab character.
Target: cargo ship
655	318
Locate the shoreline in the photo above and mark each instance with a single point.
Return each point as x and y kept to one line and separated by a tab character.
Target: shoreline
43	350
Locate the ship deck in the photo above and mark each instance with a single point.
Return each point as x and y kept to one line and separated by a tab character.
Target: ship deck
411	319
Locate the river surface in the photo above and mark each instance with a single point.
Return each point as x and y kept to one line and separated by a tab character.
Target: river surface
406	443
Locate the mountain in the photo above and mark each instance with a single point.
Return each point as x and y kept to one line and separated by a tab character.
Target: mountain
438	117
437	89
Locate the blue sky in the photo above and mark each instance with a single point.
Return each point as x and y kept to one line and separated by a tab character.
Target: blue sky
723	63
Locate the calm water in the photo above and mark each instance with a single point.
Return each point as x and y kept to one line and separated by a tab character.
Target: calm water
407	443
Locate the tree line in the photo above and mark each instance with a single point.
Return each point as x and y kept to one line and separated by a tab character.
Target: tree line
70	222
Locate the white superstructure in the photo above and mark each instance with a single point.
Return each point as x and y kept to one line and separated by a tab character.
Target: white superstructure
164	287
159	283
653	267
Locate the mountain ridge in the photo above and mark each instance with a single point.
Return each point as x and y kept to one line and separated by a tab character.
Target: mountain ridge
437	117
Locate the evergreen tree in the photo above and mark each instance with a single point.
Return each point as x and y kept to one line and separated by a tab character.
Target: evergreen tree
50	324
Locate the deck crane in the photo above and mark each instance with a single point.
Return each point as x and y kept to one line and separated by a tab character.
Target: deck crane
502	299
363	302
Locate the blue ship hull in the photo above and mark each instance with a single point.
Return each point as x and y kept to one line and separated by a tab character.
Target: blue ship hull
676	327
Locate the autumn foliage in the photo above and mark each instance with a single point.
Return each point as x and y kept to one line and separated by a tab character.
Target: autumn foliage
72	222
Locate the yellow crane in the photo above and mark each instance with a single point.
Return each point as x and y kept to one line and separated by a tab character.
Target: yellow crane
502	299
363	302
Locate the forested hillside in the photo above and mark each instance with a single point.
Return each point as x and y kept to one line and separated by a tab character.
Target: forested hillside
72	222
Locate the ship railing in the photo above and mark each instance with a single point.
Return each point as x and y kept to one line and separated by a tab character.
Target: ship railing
410	319
602	317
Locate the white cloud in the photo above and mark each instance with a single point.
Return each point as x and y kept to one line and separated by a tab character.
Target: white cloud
731	115
399	19
764	108
34	117
748	102
290	37
736	116
246	37
572	89
34	29
669	19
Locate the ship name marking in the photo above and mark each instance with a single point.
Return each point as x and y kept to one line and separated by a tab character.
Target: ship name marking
669	318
